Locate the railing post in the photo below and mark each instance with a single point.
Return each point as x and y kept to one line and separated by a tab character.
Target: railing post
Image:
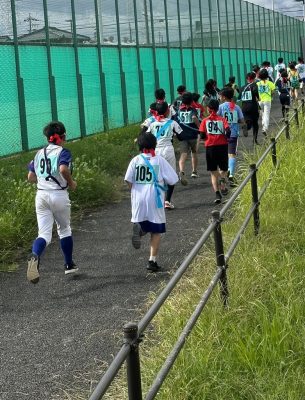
274	160
255	201
220	258
287	128
303	105
296	115
131	337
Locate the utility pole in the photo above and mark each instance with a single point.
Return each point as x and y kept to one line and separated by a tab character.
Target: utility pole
145	13
29	19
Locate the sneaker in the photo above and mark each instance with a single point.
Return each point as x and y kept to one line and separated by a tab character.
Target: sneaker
136	236
168	205
264	133
245	130
218	198
224	191
195	175
232	181
152	266
70	269
182	178
33	268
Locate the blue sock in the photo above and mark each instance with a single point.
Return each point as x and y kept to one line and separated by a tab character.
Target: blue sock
232	165
38	246
66	245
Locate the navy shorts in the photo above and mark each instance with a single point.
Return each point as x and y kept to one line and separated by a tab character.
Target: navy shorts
151	227
217	157
232	147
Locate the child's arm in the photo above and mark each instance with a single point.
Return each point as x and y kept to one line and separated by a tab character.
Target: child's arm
32	178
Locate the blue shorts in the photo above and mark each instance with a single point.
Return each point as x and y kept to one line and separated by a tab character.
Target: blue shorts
151	227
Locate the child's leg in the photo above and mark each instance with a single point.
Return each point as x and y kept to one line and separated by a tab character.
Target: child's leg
214	180
169	192
155	239
182	160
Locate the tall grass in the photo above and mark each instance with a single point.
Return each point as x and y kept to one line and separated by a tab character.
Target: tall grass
99	165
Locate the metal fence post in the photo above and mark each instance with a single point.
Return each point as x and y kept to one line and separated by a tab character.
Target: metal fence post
287	128
296	115
274	160
131	337
303	105
255	201
220	258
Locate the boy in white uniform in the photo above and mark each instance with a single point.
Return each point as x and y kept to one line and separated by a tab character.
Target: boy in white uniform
147	175
164	130
51	170
279	67
301	70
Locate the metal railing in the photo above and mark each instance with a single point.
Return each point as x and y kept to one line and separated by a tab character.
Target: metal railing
133	333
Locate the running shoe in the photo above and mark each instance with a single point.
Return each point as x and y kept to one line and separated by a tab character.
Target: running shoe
33	268
218	198
70	269
182	178
264	133
136	236
152	266
195	175
168	205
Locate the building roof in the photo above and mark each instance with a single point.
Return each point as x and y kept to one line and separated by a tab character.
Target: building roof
55	34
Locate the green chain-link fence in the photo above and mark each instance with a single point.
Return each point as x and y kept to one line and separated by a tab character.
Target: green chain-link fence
94	64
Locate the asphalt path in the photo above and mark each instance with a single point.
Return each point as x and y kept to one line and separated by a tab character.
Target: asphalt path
59	334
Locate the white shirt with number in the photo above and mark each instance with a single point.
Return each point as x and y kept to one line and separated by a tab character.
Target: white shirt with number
166	136
143	192
301	70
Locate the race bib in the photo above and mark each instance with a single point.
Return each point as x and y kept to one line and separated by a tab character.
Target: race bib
143	174
164	133
263	89
246	95
214	127
47	166
186	117
231	116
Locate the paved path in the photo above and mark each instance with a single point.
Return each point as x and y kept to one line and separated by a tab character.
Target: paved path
55	334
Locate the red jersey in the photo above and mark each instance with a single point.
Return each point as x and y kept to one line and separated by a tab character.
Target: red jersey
214	129
199	108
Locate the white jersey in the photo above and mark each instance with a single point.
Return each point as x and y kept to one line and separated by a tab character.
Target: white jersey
301	70
46	166
143	191
278	68
164	131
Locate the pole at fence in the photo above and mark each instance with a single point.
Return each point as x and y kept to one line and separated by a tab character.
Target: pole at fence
220	257
296	115
287	128
274	160
255	198
303	105
131	337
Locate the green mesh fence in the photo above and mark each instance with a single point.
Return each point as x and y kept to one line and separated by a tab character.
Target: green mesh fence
95	64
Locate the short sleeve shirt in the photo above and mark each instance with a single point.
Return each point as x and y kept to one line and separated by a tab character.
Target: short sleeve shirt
214	127
164	131
233	116
265	89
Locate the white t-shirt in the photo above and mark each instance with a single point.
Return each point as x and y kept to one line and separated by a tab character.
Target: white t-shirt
166	136
301	70
143	192
277	69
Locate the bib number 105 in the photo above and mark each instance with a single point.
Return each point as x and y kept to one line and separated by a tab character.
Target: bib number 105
143	174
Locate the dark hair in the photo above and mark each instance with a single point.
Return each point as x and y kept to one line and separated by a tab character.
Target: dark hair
255	68
210	85
213	104
292	65
251	75
284	74
54	127
147	141
232	79
301	60
181	89
195	96
187	98
227	92
160	94
263	74
161	108
280	60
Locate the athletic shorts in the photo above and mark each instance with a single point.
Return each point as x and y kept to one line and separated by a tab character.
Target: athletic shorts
186	145
167	152
151	227
285	99
217	157
232	147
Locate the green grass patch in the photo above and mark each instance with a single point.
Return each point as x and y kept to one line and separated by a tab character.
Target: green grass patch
99	165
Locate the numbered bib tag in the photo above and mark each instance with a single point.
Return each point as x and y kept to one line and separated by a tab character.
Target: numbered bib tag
185	117
144	175
246	95
231	116
214	127
264	89
47	166
164	132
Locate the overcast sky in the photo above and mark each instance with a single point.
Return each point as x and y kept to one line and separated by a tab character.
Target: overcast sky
288	7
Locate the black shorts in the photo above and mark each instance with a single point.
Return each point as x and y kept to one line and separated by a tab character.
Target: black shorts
285	99
232	146
217	157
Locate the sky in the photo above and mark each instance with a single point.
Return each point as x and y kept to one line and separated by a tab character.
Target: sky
288	7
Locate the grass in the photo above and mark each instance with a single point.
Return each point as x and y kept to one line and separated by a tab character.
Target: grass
99	165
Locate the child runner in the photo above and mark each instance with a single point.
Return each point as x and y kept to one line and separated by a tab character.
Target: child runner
211	92
215	131
177	103
233	114
187	119
51	170
265	90
234	86
267	66
301	70
164	129
279	67
200	111
284	87
256	70
249	97
294	81
147	175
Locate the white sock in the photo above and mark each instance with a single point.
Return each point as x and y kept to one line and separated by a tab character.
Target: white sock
152	258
